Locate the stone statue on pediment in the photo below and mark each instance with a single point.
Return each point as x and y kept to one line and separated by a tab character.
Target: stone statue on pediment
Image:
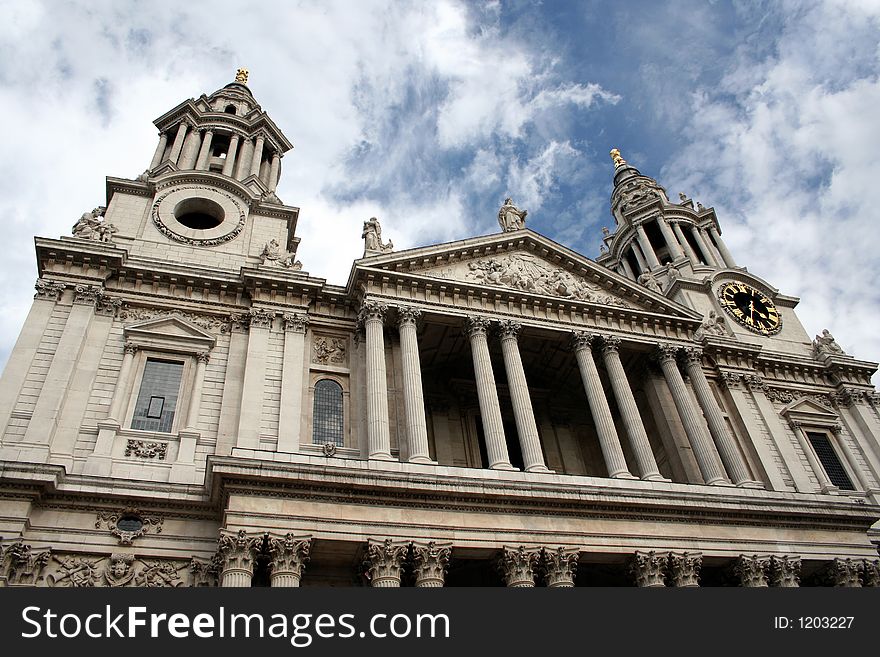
92	226
273	254
372	236
825	344
511	217
650	281
712	324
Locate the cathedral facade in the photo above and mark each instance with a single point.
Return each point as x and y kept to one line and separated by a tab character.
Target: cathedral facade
187	406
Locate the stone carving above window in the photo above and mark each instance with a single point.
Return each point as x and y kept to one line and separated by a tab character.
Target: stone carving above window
208	322
329	350
129	524
146	450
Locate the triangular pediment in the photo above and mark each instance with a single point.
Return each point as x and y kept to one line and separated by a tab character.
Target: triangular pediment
172	332
525	262
810	411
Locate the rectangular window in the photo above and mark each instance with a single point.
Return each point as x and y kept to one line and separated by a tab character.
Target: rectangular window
157	399
828	458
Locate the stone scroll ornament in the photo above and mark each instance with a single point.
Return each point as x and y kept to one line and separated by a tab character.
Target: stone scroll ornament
129	524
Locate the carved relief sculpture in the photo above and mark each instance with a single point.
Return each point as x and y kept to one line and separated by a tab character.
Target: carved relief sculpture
92	226
560	567
825	345
712	324
510	217
649	281
751	571
22	565
684	568
372	236
119	571
273	254
329	350
75	572
129	524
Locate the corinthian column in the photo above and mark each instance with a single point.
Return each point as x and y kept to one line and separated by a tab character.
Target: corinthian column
608	440
751	571
689	252
384	562
696	433
229	162
684	568
671	243
517	566
560	567
727	448
160	150
647	248
177	146
378	434
413	397
632	420
726	255
845	572
257	155
205	151
533	457
238	553
785	571
487	394
289	557
430	561
649	568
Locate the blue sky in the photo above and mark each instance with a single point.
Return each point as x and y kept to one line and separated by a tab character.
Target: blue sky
428	114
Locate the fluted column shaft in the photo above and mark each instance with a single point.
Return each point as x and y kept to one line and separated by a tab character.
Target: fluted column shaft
671	243
703	241
699	439
413	397
627	269
190	151
726	255
689	252
632	420
487	394
195	402
647	249
274	171
258	156
640	259
608	439
526	427
121	390
160	151
229	164
205	151
727	449
178	142
378	433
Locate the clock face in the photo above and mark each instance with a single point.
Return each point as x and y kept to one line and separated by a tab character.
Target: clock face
750	307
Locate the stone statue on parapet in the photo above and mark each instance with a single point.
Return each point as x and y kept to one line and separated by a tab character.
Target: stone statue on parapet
372	235
649	281
825	345
91	226
712	324
511	217
273	254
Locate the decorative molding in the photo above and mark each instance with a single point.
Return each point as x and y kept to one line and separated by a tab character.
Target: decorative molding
150	524
752	571
430	562
785	571
144	449
684	568
649	568
517	565
119	570
215	241
207	322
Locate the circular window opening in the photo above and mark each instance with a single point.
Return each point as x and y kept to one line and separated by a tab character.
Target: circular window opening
129	524
199	213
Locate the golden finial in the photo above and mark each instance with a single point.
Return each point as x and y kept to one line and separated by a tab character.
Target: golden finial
241	75
618	159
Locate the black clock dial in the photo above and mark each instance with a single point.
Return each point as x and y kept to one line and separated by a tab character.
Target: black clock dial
750	307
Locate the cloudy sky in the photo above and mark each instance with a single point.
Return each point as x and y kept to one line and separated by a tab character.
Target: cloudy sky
427	114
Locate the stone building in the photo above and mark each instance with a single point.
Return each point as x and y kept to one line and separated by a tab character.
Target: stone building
186	406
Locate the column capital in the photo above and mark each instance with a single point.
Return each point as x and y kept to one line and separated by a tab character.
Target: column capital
751	570
845	572
560	566
785	570
430	561
87	294
666	352
48	289
476	325
408	315
509	330
693	355
649	568
209	131
872	572
684	568
610	344
372	311
261	318
730	379
130	348
203	357
582	340
238	551
384	562
289	553
517	565
296	322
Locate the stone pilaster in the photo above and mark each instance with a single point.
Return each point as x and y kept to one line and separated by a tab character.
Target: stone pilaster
612	452
632	420
372	315
254	378
649	568
430	561
526	427
289	556
752	571
559	566
696	433
413	395
845	573
384	562
290	416
785	571
238	555
487	394
725	443
517	565
684	568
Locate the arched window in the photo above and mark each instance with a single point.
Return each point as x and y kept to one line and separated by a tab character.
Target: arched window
327	419
230	109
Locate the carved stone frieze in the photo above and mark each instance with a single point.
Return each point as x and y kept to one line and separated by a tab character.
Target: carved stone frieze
48	290
752	570
384	562
129	524
517	565
295	322
430	561
785	571
684	568
329	350
649	568
117	570
23	565
559	566
145	449
205	573
156	574
207	322
75	572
